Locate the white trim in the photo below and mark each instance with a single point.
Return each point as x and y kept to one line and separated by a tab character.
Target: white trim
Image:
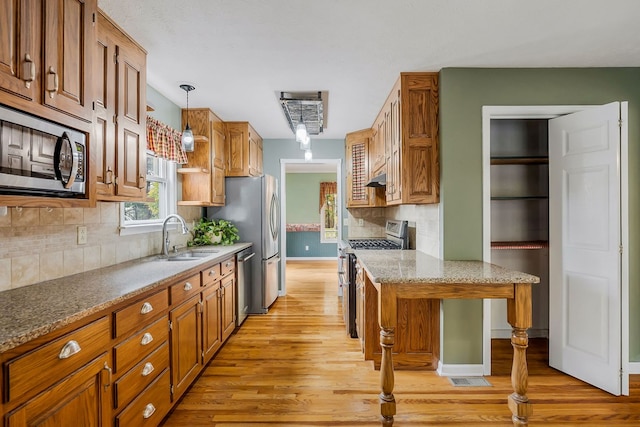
311	258
283	210
501	334
462	370
549	112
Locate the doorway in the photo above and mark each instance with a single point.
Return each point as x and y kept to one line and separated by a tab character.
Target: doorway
533	165
302	166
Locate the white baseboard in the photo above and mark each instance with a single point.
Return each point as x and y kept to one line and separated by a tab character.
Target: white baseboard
313	258
634	367
506	333
460	370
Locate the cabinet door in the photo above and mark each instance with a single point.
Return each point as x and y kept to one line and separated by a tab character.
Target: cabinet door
81	399
237	150
357	147
255	155
20	47
228	306
392	149
185	345
219	196
131	130
104	80
219	161
211	327
68	43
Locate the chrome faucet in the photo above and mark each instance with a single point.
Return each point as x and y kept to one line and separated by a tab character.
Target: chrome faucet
165	233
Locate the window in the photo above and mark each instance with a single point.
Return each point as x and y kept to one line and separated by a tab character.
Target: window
328	219
161	201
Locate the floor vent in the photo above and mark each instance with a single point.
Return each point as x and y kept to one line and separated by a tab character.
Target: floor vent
469	382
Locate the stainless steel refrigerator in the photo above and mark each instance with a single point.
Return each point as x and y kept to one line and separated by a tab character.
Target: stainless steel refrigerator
252	204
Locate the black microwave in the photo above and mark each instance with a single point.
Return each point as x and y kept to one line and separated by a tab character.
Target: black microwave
40	158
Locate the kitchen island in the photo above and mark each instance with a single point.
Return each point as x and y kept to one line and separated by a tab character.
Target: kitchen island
414	274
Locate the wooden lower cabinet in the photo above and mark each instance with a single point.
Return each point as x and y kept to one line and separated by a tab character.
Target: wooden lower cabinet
417	337
186	346
82	398
211	326
150	407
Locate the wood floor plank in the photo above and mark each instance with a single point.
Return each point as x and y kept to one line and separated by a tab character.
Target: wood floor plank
296	366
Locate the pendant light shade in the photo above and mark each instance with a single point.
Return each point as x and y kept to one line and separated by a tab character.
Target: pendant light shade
305	144
187	135
301	132
307	155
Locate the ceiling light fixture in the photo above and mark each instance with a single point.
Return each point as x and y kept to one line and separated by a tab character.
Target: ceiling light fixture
301	129
187	134
305	144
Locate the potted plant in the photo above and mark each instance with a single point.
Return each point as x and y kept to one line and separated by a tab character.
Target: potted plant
214	232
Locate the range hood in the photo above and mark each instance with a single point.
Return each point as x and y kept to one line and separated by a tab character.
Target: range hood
378	181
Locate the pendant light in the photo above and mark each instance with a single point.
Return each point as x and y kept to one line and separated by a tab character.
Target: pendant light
301	129
305	144
187	134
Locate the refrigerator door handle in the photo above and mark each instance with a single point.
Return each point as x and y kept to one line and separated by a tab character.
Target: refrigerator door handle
273	221
274	259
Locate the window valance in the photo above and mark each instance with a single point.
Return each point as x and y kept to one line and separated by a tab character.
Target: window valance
327	188
165	141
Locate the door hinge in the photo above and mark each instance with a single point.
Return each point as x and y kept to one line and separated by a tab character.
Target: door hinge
170	325
93	105
171	389
93	18
621	249
116	58
620	123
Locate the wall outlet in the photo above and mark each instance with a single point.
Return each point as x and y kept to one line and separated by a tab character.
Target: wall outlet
345	222
360	222
82	235
306	247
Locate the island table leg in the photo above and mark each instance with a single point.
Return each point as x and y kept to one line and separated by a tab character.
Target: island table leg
520	318
387	318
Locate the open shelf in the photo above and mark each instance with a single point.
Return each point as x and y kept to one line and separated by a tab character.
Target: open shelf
532	160
193	170
520	245
200	138
194	203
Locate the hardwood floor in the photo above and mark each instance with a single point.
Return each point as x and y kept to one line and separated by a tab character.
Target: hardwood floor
296	366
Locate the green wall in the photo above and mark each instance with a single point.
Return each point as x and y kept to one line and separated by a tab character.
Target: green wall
463	93
164	110
303	201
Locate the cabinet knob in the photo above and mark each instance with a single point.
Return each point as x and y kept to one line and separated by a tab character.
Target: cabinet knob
148	411
212	272
146	308
52	82
146	338
188	286
148	368
28	71
69	349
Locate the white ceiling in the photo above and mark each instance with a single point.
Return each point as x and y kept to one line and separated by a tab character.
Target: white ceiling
240	54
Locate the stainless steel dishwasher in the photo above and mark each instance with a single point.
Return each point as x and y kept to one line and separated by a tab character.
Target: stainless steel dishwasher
244	283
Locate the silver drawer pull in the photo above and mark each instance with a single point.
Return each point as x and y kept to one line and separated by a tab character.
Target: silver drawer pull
148	411
188	286
212	272
146	308
148	368
69	349
228	264
146	338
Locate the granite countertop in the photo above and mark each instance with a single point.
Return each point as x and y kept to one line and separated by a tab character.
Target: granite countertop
32	311
410	266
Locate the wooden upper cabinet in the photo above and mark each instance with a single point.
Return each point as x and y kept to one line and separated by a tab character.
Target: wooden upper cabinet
413	172
120	136
203	175
244	150
357	146
46	58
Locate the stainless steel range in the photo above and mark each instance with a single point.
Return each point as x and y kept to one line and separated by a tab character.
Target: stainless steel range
396	238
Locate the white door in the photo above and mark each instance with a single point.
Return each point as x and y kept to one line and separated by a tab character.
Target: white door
585	307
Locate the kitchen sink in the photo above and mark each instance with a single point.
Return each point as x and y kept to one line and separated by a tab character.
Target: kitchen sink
190	256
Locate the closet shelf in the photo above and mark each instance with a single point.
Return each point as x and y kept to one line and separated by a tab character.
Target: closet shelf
519	245
532	160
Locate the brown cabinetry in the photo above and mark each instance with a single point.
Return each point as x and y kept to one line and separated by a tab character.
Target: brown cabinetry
46	56
358	146
244	150
417	339
219	307
186	360
203	175
120	143
411	116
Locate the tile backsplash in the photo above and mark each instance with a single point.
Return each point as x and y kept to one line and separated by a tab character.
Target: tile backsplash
38	244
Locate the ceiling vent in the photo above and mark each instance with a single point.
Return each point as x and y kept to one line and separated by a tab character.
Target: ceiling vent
309	108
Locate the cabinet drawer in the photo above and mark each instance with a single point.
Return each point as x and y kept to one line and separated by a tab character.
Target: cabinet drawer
141	375
140	312
184	289
49	363
211	275
228	266
150	407
140	345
